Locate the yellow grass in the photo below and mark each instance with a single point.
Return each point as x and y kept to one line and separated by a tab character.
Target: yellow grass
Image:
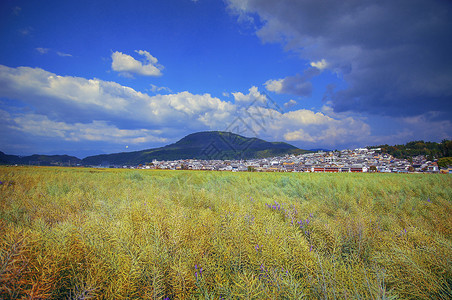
74	233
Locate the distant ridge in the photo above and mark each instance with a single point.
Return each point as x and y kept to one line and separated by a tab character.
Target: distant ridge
206	145
41	160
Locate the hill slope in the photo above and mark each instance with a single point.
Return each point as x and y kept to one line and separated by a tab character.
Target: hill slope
202	145
42	160
430	149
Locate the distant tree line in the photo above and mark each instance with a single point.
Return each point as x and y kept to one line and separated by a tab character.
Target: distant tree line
445	162
431	150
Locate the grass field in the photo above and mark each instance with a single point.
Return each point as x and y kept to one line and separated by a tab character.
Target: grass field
76	233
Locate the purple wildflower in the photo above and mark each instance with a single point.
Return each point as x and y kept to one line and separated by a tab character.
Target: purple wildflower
310	249
428	199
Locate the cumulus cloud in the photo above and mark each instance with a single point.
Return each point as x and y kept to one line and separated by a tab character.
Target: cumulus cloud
393	55
274	85
427	127
253	95
290	103
156	89
321	65
126	64
80	100
70	108
316	127
303	127
299	135
299	85
40	125
75	109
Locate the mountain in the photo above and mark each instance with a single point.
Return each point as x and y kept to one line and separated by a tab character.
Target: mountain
42	160
207	145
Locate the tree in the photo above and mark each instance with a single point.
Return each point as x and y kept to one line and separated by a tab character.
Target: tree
445	162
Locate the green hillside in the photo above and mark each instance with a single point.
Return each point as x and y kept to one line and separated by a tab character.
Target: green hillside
207	145
430	149
36	159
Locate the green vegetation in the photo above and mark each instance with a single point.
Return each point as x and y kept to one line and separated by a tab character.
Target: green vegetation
201	145
43	160
445	162
429	149
119	234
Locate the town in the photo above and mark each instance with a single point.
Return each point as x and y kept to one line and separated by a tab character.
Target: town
357	160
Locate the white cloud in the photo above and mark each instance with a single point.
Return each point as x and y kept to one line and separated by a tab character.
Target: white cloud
65	107
290	103
47	50
317	128
42	50
70	108
274	85
62	54
156	89
427	127
253	95
40	125
77	99
299	135
303	126
321	65
126	64
389	68
299	85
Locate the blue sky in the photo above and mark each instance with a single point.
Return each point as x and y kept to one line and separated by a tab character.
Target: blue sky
90	77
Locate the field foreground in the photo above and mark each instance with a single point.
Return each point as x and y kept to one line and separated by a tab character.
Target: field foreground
115	234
